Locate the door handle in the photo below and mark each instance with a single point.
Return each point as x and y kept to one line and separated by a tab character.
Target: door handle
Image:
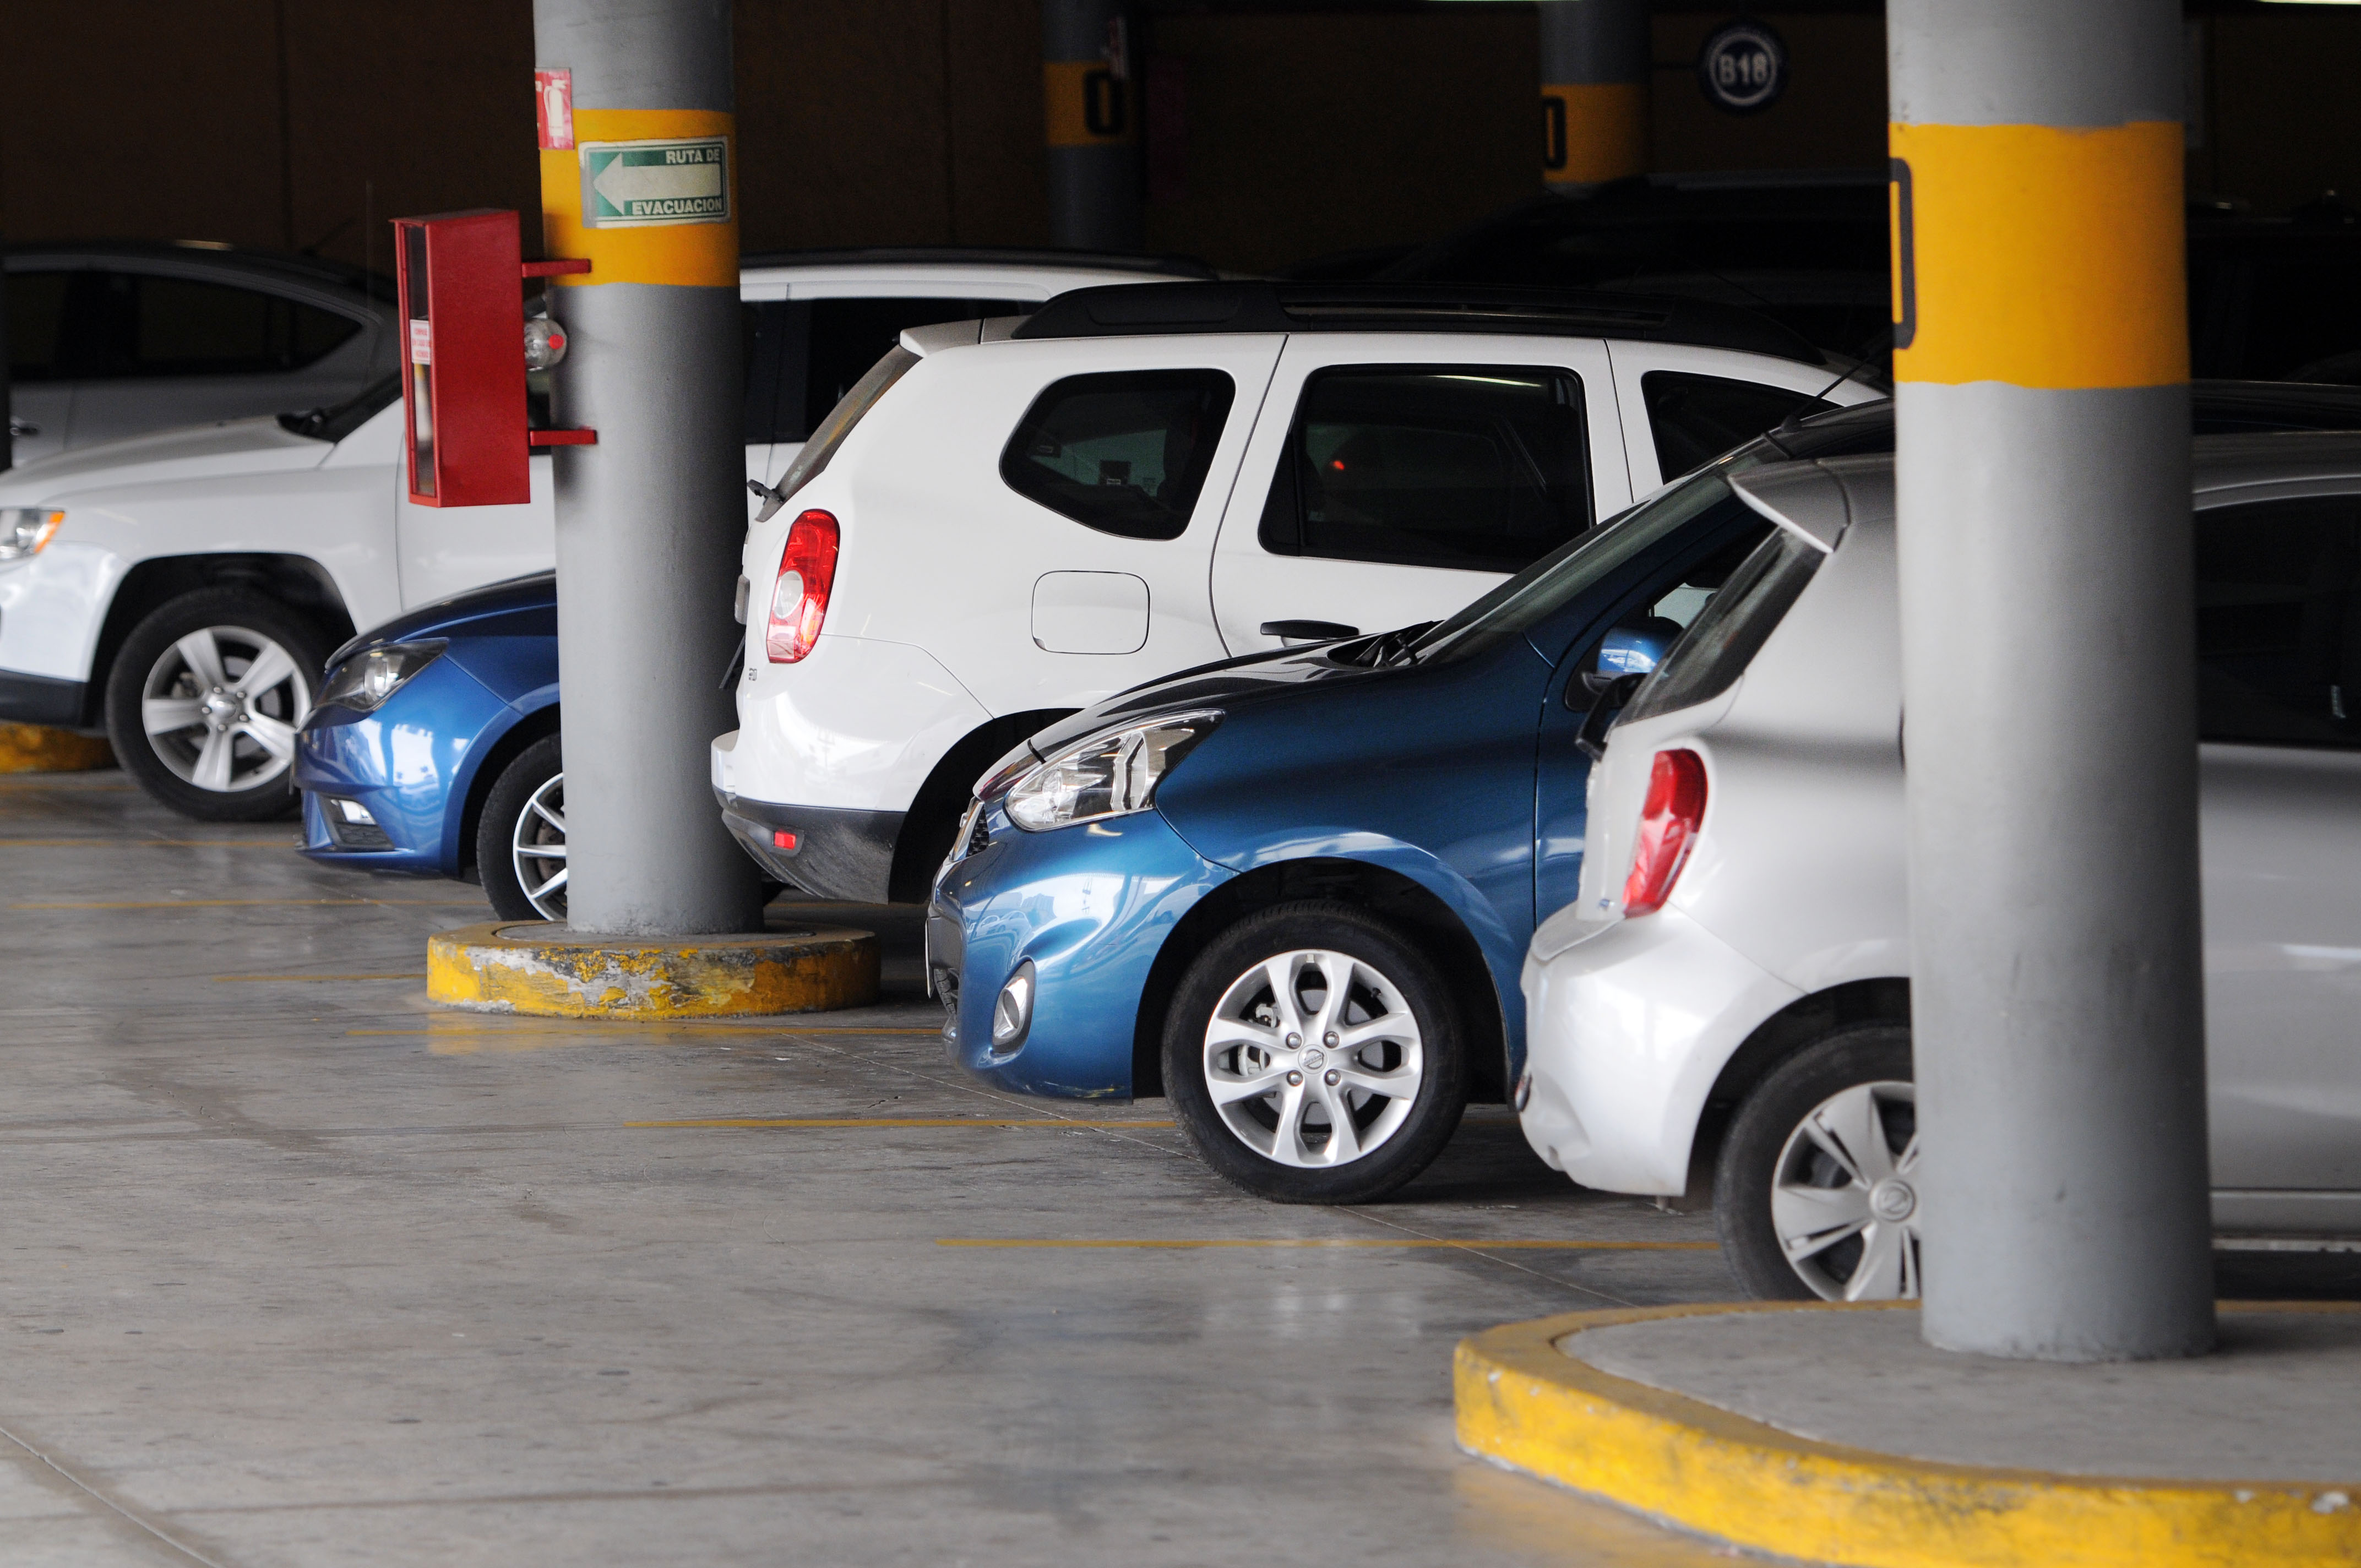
1308	631
22	426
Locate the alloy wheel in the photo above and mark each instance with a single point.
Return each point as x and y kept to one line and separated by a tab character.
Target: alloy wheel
220	708
1844	1199
1312	1059
537	848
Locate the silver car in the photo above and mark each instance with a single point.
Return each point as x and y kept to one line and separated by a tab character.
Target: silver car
1731	982
116	339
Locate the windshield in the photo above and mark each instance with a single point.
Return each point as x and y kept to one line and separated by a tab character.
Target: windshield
340	419
838	425
1556	580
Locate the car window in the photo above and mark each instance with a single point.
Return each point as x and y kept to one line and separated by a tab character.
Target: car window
2278	622
1481	468
1736	617
845	337
1695	419
37	326
1123	453
181	326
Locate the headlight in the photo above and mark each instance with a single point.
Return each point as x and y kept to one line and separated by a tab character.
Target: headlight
369	677
1111	773
24	530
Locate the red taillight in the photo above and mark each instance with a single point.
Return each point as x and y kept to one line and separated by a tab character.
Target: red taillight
799	599
1668	826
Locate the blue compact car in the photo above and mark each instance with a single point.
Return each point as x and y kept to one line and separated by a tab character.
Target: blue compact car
434	748
1293	892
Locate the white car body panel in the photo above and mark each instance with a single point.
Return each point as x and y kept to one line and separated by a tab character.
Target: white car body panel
1797	883
868	720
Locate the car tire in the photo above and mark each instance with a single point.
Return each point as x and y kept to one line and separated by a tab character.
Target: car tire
1815	1191
522	831
191	659
1227	1027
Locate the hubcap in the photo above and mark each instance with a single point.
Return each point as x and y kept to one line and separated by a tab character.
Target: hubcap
1313	1106
537	848
220	708
1843	1201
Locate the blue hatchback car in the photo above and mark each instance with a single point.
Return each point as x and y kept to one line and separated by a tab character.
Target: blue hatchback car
1293	892
435	750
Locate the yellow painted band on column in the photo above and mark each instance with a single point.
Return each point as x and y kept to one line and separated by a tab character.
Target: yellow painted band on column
1593	131
1084	105
2045	258
691	254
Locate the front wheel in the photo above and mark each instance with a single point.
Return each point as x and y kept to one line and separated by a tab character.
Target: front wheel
1816	1191
1314	1056
204	698
520	839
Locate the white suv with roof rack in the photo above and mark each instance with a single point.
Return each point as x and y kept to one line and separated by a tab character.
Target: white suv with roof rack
182	588
1006	521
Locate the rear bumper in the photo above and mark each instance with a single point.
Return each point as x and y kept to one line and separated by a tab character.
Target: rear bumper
838	853
40	699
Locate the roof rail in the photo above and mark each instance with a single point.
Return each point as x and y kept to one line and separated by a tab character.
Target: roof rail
1160	308
985	255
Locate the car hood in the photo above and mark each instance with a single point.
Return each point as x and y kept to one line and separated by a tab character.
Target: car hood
1258	678
521	606
196	451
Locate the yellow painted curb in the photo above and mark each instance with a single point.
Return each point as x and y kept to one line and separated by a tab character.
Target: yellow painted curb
1526	1403
37	748
537	970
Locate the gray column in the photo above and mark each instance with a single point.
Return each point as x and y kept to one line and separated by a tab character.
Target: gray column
2049	678
651	519
1595	59
1092	93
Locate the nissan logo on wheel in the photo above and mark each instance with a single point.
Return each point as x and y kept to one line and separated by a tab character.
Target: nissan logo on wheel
1742	67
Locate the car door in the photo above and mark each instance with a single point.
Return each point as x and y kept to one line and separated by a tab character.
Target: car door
42	339
447	550
1391	478
2279	621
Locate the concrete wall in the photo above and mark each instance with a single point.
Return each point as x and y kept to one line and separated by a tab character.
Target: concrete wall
1276	133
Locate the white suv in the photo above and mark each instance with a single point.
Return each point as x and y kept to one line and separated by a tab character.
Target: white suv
1006	521
1737	956
183	588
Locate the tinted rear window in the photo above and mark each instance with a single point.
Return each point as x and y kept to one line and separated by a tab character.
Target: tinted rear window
1125	453
1695	419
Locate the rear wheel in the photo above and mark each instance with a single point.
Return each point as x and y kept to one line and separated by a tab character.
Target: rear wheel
205	700
1313	1056
1816	1191
520	839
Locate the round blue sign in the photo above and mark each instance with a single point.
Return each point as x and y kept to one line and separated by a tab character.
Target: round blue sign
1742	67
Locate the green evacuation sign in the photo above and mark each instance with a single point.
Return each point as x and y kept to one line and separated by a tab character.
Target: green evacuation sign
638	184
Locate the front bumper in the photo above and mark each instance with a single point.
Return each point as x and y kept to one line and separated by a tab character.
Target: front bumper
1625	1032
1091	906
409	763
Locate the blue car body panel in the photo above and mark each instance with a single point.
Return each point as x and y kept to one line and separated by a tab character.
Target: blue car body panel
415	760
1460	775
1091	926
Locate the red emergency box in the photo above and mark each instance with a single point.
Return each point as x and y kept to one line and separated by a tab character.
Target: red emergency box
466	439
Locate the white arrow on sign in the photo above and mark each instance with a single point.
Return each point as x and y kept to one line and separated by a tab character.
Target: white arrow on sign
622	184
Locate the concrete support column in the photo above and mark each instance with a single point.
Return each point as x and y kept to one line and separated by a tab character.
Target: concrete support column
2050	660
1595	71
1091	95
651	519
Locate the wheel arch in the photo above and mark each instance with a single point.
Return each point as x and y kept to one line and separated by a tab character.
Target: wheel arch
1882	999
947	784
298	582
538	725
1389	894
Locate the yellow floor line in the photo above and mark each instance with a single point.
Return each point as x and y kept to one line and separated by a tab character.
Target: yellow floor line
225	979
899	1122
1452	1244
146	844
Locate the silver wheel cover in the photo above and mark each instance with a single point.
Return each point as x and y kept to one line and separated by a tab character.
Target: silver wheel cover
1312	1059
220	708
537	848
1844	1197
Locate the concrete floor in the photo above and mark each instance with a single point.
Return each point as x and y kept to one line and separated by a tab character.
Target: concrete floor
295	1271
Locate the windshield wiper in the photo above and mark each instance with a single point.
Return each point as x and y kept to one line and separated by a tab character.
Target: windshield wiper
1394	647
